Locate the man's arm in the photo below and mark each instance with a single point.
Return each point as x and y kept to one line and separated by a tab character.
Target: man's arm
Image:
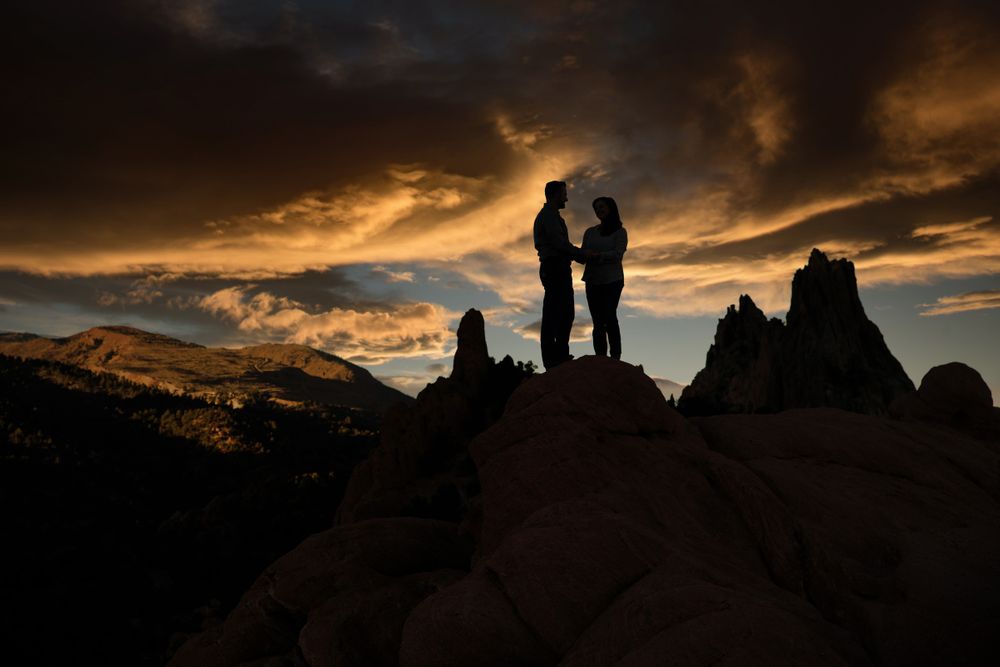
558	239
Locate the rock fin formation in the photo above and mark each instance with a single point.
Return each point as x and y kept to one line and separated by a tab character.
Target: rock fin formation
827	353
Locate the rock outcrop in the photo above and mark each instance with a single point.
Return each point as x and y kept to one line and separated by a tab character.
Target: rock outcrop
954	395
827	353
421	466
339	598
615	532
739	373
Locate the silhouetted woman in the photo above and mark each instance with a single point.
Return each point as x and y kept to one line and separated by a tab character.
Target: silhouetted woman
604	276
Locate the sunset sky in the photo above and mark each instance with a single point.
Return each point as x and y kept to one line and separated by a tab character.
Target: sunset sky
355	175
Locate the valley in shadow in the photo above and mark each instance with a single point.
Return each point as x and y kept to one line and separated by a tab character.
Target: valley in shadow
131	517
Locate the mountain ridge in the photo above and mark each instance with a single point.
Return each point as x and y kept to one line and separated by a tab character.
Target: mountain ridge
288	374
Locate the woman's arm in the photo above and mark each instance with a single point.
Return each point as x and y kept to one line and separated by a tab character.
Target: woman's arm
587	244
621	243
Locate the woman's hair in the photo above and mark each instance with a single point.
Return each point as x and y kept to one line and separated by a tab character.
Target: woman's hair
613	222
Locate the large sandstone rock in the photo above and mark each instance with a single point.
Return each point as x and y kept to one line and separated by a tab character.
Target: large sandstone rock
897	526
613	531
339	598
827	354
955	388
955	395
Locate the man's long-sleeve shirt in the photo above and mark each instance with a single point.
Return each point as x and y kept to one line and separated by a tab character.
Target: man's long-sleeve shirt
552	237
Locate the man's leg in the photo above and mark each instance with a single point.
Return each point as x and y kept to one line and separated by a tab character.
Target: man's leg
549	317
557	311
566	315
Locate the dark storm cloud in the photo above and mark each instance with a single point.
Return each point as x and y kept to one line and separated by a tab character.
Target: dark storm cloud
125	128
773	102
134	121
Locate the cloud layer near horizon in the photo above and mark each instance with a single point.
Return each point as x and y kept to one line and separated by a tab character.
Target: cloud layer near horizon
233	148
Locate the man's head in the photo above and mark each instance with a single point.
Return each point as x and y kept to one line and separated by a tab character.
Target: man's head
555	193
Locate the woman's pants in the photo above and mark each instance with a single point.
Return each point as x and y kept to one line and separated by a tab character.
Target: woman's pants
603	303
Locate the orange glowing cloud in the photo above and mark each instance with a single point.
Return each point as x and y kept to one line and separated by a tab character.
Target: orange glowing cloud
960	303
372	337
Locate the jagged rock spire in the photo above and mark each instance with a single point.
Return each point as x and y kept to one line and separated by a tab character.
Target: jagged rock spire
737	375
825	293
828	354
472	359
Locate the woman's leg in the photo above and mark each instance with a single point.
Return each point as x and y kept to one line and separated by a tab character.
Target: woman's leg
614	295
594	303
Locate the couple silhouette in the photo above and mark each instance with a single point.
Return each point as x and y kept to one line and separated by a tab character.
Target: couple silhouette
601	252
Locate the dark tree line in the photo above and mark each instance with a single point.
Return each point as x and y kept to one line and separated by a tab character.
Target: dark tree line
130	516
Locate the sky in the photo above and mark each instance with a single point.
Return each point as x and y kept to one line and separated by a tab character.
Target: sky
354	176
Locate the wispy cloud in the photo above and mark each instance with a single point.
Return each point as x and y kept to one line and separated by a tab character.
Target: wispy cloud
394	276
960	303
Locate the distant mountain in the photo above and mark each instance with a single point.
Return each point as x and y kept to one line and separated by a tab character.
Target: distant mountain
289	374
668	387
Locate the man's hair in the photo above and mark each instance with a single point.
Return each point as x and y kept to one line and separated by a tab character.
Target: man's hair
552	188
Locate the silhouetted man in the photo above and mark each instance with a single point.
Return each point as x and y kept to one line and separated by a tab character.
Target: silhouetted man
555	253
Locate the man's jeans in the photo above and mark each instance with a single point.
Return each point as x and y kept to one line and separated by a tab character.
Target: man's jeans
557	310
